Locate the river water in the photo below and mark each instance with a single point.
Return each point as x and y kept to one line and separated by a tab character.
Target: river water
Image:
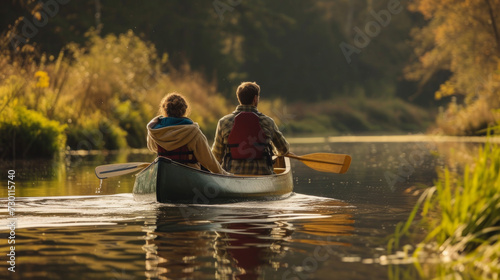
70	225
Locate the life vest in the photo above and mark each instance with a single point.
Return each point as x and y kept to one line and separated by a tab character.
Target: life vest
182	155
247	139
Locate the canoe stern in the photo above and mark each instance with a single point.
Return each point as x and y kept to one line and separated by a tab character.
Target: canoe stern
174	182
146	180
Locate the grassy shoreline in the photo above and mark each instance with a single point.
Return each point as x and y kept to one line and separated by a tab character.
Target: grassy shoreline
461	218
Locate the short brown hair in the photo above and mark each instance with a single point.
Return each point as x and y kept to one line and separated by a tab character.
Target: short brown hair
174	105
246	92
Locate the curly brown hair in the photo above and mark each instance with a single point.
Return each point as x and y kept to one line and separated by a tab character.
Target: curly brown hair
174	105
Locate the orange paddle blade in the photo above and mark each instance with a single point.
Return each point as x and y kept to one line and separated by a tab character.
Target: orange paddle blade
326	162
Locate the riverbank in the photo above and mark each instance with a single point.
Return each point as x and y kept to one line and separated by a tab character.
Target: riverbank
461	217
415	138
393	139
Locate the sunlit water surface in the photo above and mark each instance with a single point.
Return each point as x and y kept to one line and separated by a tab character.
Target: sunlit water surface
70	225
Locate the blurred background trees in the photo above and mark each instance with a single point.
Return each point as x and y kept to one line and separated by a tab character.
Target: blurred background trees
291	47
109	62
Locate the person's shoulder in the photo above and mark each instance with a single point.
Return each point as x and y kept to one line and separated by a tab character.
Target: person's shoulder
228	117
198	133
265	118
153	122
156	119
193	128
194	125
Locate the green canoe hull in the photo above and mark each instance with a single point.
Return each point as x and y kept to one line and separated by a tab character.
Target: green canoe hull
168	181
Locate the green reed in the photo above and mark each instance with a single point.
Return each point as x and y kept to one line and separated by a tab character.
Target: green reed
462	218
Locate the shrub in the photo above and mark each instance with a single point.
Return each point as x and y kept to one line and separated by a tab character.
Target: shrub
26	133
96	133
472	119
132	118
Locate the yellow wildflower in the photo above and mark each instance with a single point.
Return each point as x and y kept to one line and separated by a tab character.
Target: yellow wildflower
42	79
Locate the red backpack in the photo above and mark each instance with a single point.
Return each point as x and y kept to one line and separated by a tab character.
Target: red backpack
247	139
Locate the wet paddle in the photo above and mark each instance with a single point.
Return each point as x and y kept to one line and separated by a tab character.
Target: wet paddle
325	162
111	170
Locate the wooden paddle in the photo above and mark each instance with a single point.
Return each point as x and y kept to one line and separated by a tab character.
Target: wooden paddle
325	162
111	170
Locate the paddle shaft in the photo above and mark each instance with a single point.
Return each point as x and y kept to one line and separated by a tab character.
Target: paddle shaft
313	160
120	169
112	170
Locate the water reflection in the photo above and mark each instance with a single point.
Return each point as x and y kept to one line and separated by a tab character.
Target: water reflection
71	175
245	241
75	234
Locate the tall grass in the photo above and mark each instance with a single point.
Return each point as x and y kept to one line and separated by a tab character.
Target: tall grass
462	214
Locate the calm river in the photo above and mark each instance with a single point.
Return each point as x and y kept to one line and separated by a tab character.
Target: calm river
70	225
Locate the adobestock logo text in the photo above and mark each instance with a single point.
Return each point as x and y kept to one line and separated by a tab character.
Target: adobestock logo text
372	29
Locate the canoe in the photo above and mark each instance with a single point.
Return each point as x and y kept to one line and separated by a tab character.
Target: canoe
166	181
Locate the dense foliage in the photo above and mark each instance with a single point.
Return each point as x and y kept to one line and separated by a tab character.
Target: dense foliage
26	133
104	92
325	67
290	47
461	38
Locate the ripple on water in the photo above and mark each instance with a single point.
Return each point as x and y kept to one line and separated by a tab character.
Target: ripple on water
114	234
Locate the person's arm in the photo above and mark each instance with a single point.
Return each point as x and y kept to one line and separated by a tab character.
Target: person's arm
205	156
279	141
218	146
151	143
152	146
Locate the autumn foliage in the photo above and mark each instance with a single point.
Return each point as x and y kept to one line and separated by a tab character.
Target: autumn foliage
462	38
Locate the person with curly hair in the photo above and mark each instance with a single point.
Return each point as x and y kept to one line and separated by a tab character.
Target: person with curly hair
173	135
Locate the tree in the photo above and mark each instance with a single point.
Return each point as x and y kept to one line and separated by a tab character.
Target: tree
461	37
291	47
